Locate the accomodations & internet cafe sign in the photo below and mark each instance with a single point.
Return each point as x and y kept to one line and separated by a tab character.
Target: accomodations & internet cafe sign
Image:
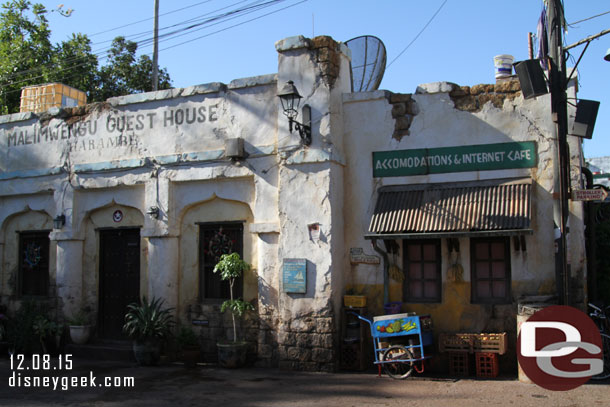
422	161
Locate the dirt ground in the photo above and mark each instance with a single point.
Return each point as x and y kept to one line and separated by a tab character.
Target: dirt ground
175	385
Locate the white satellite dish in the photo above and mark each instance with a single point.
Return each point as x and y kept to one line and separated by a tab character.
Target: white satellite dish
368	62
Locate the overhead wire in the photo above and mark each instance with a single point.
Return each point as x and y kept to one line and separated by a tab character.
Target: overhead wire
102	53
149	18
236	25
253	7
418	34
215	20
147	32
588	18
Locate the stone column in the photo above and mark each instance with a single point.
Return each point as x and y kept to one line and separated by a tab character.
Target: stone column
163	263
69	275
310	199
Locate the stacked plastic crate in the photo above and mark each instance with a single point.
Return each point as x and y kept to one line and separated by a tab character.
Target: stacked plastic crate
485	346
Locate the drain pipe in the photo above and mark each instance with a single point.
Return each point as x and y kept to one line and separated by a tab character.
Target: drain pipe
590	240
386	274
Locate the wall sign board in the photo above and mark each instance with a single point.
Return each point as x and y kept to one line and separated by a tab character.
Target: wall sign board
357	256
295	276
422	161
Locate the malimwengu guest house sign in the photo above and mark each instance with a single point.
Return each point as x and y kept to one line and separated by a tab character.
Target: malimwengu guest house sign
422	161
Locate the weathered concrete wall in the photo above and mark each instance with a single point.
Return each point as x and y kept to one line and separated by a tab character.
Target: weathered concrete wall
167	150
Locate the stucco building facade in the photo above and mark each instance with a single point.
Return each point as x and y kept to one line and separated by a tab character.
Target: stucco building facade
151	197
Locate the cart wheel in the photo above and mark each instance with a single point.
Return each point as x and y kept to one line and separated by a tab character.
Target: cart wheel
403	366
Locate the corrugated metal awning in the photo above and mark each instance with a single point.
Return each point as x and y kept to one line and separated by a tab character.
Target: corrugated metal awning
497	207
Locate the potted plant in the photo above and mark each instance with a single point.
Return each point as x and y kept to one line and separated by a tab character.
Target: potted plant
47	332
80	328
188	346
232	353
148	324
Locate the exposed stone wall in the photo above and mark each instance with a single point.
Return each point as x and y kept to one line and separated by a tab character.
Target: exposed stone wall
219	327
328	57
268	354
404	108
307	343
472	99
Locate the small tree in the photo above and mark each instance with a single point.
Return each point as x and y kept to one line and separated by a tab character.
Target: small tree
231	267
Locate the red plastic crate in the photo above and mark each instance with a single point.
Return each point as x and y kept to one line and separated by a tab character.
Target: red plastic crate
487	364
458	363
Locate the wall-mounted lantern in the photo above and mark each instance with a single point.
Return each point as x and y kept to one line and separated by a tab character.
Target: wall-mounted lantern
59	221
153	211
290	98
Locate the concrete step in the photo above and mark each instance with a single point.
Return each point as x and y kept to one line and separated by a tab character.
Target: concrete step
102	350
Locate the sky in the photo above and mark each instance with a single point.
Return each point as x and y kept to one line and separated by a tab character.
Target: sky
431	41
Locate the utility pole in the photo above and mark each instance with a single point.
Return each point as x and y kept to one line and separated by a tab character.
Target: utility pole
155	61
555	18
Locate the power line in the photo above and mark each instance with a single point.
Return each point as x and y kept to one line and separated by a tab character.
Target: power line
587	19
165	28
255	6
217	20
418	34
237	25
102	54
148	19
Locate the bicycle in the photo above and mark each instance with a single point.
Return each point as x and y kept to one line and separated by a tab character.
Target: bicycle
602	320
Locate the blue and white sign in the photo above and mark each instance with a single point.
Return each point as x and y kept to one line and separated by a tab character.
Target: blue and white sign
295	276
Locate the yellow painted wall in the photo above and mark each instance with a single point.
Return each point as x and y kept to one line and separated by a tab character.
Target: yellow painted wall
455	313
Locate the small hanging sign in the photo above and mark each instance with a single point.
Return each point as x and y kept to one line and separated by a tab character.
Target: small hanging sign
295	276
357	256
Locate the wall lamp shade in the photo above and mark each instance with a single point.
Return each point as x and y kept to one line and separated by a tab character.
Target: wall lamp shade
531	78
59	221
290	98
584	122
607	57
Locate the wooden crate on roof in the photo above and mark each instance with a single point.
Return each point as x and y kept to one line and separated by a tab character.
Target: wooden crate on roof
40	98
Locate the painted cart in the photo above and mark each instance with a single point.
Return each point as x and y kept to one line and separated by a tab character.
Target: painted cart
400	342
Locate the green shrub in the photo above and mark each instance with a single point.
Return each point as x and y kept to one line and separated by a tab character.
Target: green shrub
148	320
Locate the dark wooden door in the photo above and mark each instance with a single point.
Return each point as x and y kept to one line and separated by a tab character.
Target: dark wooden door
119	279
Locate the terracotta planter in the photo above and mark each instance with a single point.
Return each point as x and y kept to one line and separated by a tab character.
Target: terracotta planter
147	352
80	334
232	354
